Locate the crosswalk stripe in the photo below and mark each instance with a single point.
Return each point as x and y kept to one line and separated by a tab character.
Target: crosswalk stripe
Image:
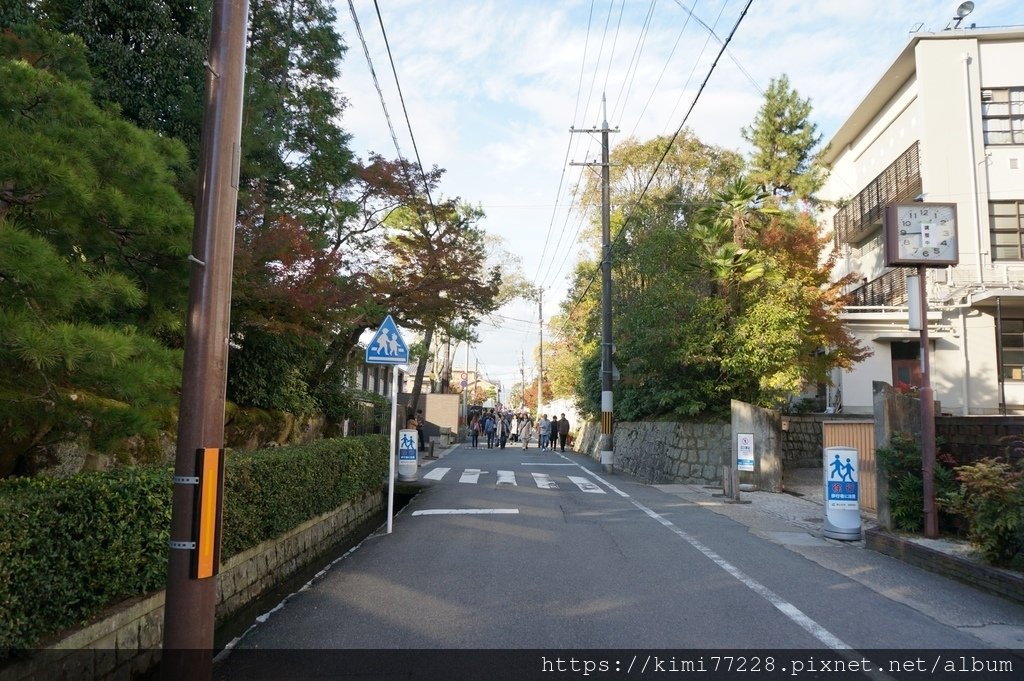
507	478
471	475
544	481
436	474
585	485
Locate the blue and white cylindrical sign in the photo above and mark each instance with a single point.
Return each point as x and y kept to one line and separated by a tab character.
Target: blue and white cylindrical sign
408	453
842	494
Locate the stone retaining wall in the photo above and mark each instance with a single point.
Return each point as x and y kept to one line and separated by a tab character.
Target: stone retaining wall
125	642
663	452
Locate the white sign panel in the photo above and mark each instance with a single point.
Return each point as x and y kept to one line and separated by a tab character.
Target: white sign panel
745	452
841	490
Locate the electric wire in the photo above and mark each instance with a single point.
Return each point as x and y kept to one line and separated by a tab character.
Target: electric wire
405	111
568	146
661	160
383	104
634	62
662	74
732	57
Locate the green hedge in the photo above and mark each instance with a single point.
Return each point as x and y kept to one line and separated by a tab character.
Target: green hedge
70	547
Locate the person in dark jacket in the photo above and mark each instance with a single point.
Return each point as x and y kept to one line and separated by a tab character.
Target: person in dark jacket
563	431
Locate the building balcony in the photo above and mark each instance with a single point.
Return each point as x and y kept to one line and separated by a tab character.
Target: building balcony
888	290
861	216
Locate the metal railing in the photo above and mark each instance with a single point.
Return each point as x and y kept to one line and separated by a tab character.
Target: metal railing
862	214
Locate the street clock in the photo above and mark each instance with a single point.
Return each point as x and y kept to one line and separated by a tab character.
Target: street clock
921	234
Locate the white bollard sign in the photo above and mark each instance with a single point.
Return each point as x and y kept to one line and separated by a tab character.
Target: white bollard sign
408	455
842	494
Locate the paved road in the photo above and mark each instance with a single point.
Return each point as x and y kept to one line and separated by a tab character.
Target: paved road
512	549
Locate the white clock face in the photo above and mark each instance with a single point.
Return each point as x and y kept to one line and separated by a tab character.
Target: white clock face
926	233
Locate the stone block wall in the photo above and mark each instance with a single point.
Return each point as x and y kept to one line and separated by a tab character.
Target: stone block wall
969	438
665	452
801	443
125	642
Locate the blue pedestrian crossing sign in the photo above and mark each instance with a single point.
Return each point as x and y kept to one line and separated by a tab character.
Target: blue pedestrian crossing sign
387	345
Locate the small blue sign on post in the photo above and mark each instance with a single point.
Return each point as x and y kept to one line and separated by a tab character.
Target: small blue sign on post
387	345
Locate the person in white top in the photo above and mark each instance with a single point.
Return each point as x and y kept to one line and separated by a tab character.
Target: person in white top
525	430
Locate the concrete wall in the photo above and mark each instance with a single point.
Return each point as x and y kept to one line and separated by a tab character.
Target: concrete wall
125	641
766	427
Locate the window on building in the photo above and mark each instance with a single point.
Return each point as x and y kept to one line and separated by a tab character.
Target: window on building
1002	115
1006	220
1012	347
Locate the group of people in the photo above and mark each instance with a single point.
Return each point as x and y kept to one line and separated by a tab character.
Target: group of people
501	426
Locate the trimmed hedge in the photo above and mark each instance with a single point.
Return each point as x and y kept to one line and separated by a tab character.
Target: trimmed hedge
70	547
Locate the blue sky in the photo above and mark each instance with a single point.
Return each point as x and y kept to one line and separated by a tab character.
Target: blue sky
493	86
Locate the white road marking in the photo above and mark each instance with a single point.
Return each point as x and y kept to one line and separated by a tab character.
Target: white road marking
527	463
436	474
605	483
585	485
471	475
507	478
785	607
468	511
544	481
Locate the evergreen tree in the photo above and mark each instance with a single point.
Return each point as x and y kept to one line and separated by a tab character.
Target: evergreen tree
93	246
785	158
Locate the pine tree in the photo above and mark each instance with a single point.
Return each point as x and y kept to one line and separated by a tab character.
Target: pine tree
93	241
785	159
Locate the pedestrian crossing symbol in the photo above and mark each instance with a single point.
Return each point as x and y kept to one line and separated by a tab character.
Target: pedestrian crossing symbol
387	345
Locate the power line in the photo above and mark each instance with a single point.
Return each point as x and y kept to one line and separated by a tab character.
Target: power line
568	146
664	154
401	98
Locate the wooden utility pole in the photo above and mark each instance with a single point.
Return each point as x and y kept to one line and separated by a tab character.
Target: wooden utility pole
191	582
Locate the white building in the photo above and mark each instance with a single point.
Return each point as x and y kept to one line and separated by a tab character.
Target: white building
944	123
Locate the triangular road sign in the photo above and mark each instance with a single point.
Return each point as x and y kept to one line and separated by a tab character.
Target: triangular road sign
387	345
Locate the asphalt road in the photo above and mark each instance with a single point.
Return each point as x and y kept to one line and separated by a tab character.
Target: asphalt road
544	551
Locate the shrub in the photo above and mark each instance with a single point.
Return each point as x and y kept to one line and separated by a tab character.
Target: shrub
70	547
991	500
902	463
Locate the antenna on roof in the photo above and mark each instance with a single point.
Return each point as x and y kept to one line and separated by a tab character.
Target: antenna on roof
962	11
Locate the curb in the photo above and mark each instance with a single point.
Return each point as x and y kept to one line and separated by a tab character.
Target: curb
1004	583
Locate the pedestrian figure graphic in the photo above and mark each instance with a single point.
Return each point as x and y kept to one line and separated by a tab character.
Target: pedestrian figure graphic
382	343
407	442
847	471
837	469
392	344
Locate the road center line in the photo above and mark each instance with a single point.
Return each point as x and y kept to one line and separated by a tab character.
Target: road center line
785	607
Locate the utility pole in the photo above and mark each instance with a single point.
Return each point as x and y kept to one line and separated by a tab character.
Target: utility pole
607	414
465	390
194	555
540	370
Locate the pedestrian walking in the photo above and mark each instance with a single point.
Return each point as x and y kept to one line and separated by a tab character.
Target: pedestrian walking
503	428
525	430
563	431
474	430
543	432
489	428
419	428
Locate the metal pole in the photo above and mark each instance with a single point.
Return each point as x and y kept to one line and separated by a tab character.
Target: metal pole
999	354
190	603
540	370
607	416
931	518
394	440
465	391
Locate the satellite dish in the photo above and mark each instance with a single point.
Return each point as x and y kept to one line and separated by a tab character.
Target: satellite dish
964	9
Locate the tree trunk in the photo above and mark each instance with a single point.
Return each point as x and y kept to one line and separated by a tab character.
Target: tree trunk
421	367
